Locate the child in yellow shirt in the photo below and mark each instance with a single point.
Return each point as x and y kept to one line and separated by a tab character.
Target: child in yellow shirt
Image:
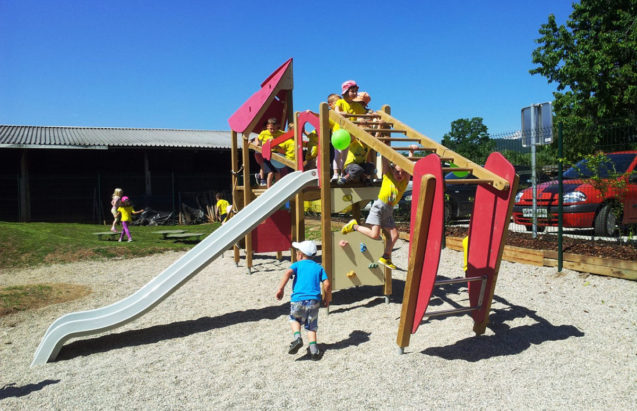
381	215
125	211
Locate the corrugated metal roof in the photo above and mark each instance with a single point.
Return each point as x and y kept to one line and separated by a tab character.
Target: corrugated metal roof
94	137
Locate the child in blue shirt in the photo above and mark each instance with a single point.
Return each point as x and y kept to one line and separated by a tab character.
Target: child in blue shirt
306	295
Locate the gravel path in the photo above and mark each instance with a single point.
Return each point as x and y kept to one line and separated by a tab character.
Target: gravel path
555	341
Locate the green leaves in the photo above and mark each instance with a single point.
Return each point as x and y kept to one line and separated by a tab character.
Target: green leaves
593	60
469	138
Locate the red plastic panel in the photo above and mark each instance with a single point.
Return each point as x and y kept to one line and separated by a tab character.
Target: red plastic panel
488	222
274	234
428	165
304	118
242	118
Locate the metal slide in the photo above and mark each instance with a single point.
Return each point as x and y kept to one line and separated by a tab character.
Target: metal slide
107	318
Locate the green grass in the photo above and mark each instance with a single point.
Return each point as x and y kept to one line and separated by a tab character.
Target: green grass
33	244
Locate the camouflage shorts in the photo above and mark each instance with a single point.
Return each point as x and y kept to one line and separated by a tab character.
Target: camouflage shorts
305	313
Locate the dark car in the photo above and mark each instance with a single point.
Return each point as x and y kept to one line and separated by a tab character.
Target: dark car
525	177
584	205
459	198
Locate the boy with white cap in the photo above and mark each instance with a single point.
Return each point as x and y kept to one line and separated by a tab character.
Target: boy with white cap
306	295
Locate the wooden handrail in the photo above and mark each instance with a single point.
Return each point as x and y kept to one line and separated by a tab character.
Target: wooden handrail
478	171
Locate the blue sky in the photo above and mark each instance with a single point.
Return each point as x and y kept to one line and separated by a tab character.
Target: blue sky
191	64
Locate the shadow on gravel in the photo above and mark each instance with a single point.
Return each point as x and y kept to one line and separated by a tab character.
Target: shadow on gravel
164	332
356	337
10	390
507	340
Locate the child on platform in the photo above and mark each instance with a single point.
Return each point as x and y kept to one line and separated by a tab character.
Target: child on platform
306	296
348	105
125	211
271	131
381	215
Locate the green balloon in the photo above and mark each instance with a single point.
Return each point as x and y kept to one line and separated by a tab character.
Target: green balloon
341	139
459	174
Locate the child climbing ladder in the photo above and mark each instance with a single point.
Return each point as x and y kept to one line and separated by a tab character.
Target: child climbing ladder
381	215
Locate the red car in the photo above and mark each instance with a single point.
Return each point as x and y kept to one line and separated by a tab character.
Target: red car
583	206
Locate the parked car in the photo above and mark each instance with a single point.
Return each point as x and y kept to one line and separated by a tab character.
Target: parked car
525	177
584	205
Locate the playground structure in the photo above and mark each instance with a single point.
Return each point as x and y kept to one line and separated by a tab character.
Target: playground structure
263	224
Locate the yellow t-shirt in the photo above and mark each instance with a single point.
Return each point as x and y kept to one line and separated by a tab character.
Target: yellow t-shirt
312	146
265	135
222	207
126	212
357	153
288	146
391	191
350	108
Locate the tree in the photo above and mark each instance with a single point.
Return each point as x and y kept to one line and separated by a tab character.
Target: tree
593	60
470	139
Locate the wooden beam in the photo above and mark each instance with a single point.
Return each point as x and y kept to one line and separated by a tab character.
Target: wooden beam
480	172
326	192
416	259
247	194
275	156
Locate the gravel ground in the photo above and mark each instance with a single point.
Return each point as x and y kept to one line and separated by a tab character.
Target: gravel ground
555	341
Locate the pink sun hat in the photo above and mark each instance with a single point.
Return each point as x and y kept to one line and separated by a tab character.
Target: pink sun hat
348	85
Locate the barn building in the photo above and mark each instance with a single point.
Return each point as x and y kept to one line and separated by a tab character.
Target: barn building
67	174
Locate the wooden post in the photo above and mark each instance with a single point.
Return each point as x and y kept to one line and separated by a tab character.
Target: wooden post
416	259
234	165
387	289
326	192
247	194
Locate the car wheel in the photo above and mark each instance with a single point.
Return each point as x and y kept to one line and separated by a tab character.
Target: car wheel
605	221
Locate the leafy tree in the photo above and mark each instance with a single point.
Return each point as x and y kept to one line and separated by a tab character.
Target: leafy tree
593	60
469	138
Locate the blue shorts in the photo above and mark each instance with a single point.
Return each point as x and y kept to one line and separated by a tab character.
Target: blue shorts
305	313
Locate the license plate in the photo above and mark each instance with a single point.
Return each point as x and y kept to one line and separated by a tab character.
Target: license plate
541	212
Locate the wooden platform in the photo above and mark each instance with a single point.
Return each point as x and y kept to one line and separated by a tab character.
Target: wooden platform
107	235
184	236
165	233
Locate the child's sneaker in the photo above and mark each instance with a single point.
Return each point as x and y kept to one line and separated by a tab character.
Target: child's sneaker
387	262
120	240
314	357
295	345
130	240
113	229
349	227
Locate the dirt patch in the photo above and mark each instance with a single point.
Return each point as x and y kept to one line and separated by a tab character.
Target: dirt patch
27	297
601	249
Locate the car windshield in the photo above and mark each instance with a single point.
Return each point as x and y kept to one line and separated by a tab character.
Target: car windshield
617	163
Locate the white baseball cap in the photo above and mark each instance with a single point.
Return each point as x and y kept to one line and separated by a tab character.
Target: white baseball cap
306	247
